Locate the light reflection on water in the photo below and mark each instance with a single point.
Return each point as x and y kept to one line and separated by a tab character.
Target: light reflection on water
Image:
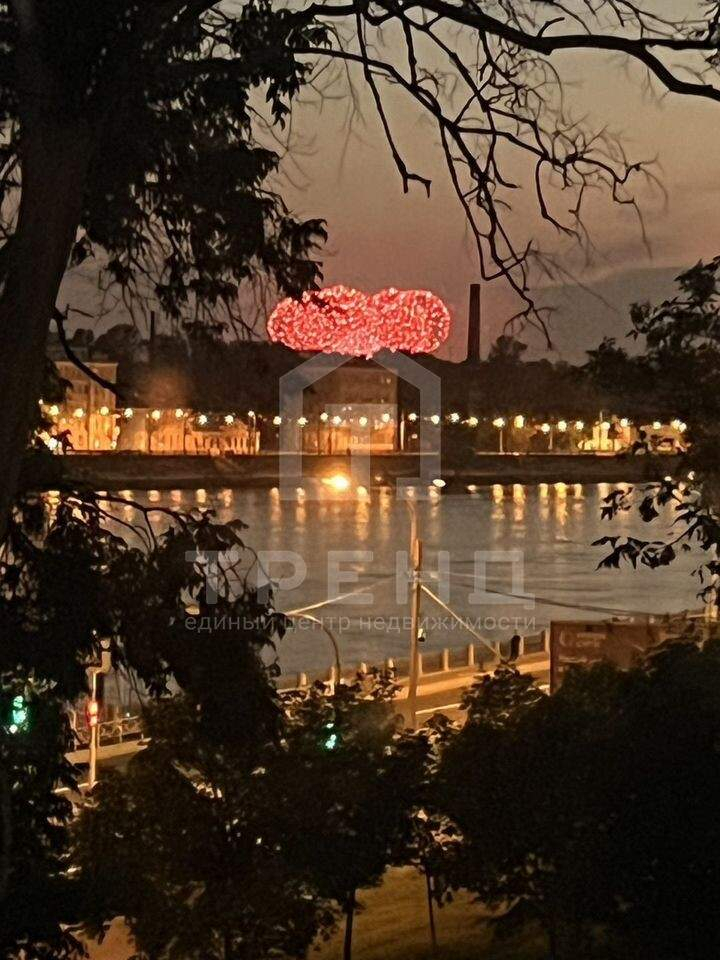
551	525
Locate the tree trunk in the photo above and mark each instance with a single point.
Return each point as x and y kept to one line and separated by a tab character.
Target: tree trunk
6	834
349	917
552	941
54	157
431	909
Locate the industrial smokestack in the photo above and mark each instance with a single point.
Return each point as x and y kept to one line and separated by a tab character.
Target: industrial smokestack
473	336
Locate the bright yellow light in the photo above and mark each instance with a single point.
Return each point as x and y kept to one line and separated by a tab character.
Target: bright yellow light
337	420
79	413
579	425
251	413
438	482
202	419
363	421
104	411
497	491
605	425
128	413
473	421
277	421
624	422
324	417
682	427
179	413
412	417
454	418
519	421
545	428
156	414
54	410
385	418
561	490
338	481
229	419
361	491
562	426
302	421
499	422
656	425
435	419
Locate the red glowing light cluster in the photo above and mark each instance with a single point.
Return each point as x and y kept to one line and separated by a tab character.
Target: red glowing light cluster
342	320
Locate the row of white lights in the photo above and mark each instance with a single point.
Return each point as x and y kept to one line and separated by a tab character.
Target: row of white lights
518	421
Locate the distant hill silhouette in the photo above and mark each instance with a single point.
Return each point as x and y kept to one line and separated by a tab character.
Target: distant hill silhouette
584	316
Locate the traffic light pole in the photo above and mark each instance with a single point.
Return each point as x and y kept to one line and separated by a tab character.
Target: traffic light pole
94	709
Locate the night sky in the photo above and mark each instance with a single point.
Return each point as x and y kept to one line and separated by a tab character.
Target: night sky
380	237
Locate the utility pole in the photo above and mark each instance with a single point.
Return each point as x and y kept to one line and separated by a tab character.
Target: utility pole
416	561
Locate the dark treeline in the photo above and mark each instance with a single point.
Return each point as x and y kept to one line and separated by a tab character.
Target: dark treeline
202	370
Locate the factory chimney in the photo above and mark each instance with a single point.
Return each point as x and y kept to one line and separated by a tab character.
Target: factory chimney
473	335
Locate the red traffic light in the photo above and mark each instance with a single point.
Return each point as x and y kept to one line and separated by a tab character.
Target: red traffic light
92	712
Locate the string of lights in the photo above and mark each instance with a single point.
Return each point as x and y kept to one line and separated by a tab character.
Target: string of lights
214	418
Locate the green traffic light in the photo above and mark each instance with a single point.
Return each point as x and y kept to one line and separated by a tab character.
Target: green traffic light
332	740
18	715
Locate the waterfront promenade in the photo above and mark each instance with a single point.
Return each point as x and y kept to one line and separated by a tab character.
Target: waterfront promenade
440	690
136	471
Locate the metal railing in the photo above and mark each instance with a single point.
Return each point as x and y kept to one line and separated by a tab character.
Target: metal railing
114	730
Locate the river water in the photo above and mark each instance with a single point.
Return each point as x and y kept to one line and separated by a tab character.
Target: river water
506	559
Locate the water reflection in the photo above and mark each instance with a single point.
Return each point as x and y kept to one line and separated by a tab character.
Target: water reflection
550	525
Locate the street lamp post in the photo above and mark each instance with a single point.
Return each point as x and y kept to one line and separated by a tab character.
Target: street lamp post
416	562
94	732
332	638
499	423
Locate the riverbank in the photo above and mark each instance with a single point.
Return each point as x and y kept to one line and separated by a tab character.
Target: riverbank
119	471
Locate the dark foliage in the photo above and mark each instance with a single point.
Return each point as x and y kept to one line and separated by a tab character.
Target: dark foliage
72	576
344	789
680	363
594	809
176	201
180	847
